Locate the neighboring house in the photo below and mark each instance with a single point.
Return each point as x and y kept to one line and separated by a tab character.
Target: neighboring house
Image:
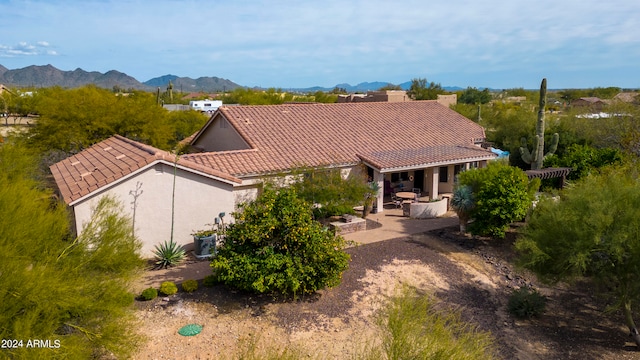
594	104
392	96
176	107
416	144
142	179
627	97
376	96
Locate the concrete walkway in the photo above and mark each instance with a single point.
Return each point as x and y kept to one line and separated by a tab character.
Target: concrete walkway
395	225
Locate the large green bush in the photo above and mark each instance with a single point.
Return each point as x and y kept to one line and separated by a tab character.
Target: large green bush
276	246
502	195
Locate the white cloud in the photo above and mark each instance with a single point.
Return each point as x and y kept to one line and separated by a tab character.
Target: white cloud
25	49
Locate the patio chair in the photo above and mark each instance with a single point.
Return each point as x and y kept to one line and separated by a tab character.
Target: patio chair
416	191
396	201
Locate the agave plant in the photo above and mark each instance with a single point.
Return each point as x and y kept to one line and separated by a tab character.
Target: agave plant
463	203
169	254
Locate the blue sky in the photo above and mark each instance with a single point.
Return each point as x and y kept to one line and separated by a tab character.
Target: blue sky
496	44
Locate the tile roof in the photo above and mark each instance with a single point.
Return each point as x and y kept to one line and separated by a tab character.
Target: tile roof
387	135
111	160
423	157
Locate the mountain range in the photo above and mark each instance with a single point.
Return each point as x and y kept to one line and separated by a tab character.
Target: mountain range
48	75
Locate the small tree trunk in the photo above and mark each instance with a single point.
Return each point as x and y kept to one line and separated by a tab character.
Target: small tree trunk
628	317
463	226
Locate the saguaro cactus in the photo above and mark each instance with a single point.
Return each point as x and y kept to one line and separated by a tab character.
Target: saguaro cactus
536	157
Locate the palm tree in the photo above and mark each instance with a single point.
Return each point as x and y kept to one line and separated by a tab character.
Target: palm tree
463	203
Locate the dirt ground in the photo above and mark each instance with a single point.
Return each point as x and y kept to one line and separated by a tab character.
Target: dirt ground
474	276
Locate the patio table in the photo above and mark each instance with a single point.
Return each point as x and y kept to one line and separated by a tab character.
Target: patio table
406	195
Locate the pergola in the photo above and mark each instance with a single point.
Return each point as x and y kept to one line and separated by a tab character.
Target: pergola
550	173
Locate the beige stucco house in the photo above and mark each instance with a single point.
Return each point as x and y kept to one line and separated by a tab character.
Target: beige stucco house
418	145
142	179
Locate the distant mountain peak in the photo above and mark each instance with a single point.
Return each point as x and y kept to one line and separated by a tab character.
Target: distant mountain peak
48	75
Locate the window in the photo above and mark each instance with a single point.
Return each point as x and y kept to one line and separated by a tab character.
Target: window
404	176
444	174
395	177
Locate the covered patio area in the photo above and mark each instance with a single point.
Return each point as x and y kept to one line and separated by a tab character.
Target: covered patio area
423	174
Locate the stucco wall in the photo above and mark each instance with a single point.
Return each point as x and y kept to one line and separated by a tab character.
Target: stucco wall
220	136
198	200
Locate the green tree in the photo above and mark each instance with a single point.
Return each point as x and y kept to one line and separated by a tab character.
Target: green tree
584	159
323	97
474	96
57	287
517	92
334	194
421	90
502	195
246	96
71	120
593	231
605	93
276	246
390	87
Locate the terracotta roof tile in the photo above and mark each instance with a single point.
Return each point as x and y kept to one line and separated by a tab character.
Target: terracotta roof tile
111	160
290	135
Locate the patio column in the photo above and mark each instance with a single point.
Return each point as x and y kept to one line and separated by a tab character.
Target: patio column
433	177
379	178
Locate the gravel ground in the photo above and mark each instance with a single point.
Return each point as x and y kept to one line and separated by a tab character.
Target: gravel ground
472	275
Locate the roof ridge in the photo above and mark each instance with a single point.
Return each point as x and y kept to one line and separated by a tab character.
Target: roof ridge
224	152
146	148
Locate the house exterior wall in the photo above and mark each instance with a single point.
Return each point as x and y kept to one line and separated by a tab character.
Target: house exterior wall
448	100
447	187
220	136
198	200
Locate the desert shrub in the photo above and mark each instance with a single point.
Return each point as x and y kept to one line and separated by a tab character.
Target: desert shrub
525	303
276	246
584	159
209	281
414	326
189	286
168	288
168	254
58	286
149	294
502	195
